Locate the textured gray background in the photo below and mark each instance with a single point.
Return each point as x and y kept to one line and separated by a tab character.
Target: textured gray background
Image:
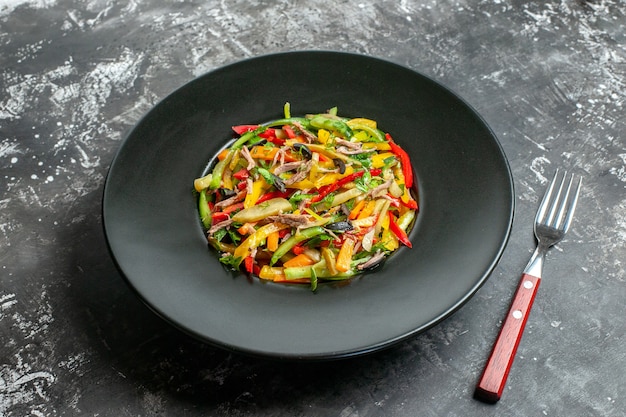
550	79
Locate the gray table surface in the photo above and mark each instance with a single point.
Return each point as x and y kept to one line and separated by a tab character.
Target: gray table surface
548	77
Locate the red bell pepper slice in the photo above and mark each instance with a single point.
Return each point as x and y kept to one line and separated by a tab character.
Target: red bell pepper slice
325	243
327	189
276	141
407	168
289	131
242	174
412	204
241	129
268	133
218	216
401	234
248	264
274	194
324	158
298	249
270	136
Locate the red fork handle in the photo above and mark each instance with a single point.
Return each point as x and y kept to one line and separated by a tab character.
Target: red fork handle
493	379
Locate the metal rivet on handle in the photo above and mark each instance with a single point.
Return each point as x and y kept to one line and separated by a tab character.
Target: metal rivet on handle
517	314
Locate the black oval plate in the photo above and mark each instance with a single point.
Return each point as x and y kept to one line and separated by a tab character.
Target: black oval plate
155	237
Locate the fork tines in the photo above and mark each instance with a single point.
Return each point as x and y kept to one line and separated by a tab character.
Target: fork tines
557	208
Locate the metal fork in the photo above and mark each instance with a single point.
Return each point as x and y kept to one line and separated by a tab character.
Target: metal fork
552	221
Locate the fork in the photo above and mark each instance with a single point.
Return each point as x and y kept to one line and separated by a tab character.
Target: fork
552	221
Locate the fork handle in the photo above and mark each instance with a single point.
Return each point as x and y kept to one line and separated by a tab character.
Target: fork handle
493	379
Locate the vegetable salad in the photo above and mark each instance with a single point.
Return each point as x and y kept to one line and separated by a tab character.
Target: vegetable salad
308	199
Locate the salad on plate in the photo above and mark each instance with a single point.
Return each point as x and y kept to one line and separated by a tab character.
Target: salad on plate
308	199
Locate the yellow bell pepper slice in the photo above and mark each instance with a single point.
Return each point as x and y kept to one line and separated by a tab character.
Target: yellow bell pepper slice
254	240
302	185
323	136
272	241
331	154
360	136
381	146
227	179
272	273
378	160
367	210
329	257
235	160
368	126
345	255
223	154
362	121
389	240
258	187
327	179
356	210
299	260
406	196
